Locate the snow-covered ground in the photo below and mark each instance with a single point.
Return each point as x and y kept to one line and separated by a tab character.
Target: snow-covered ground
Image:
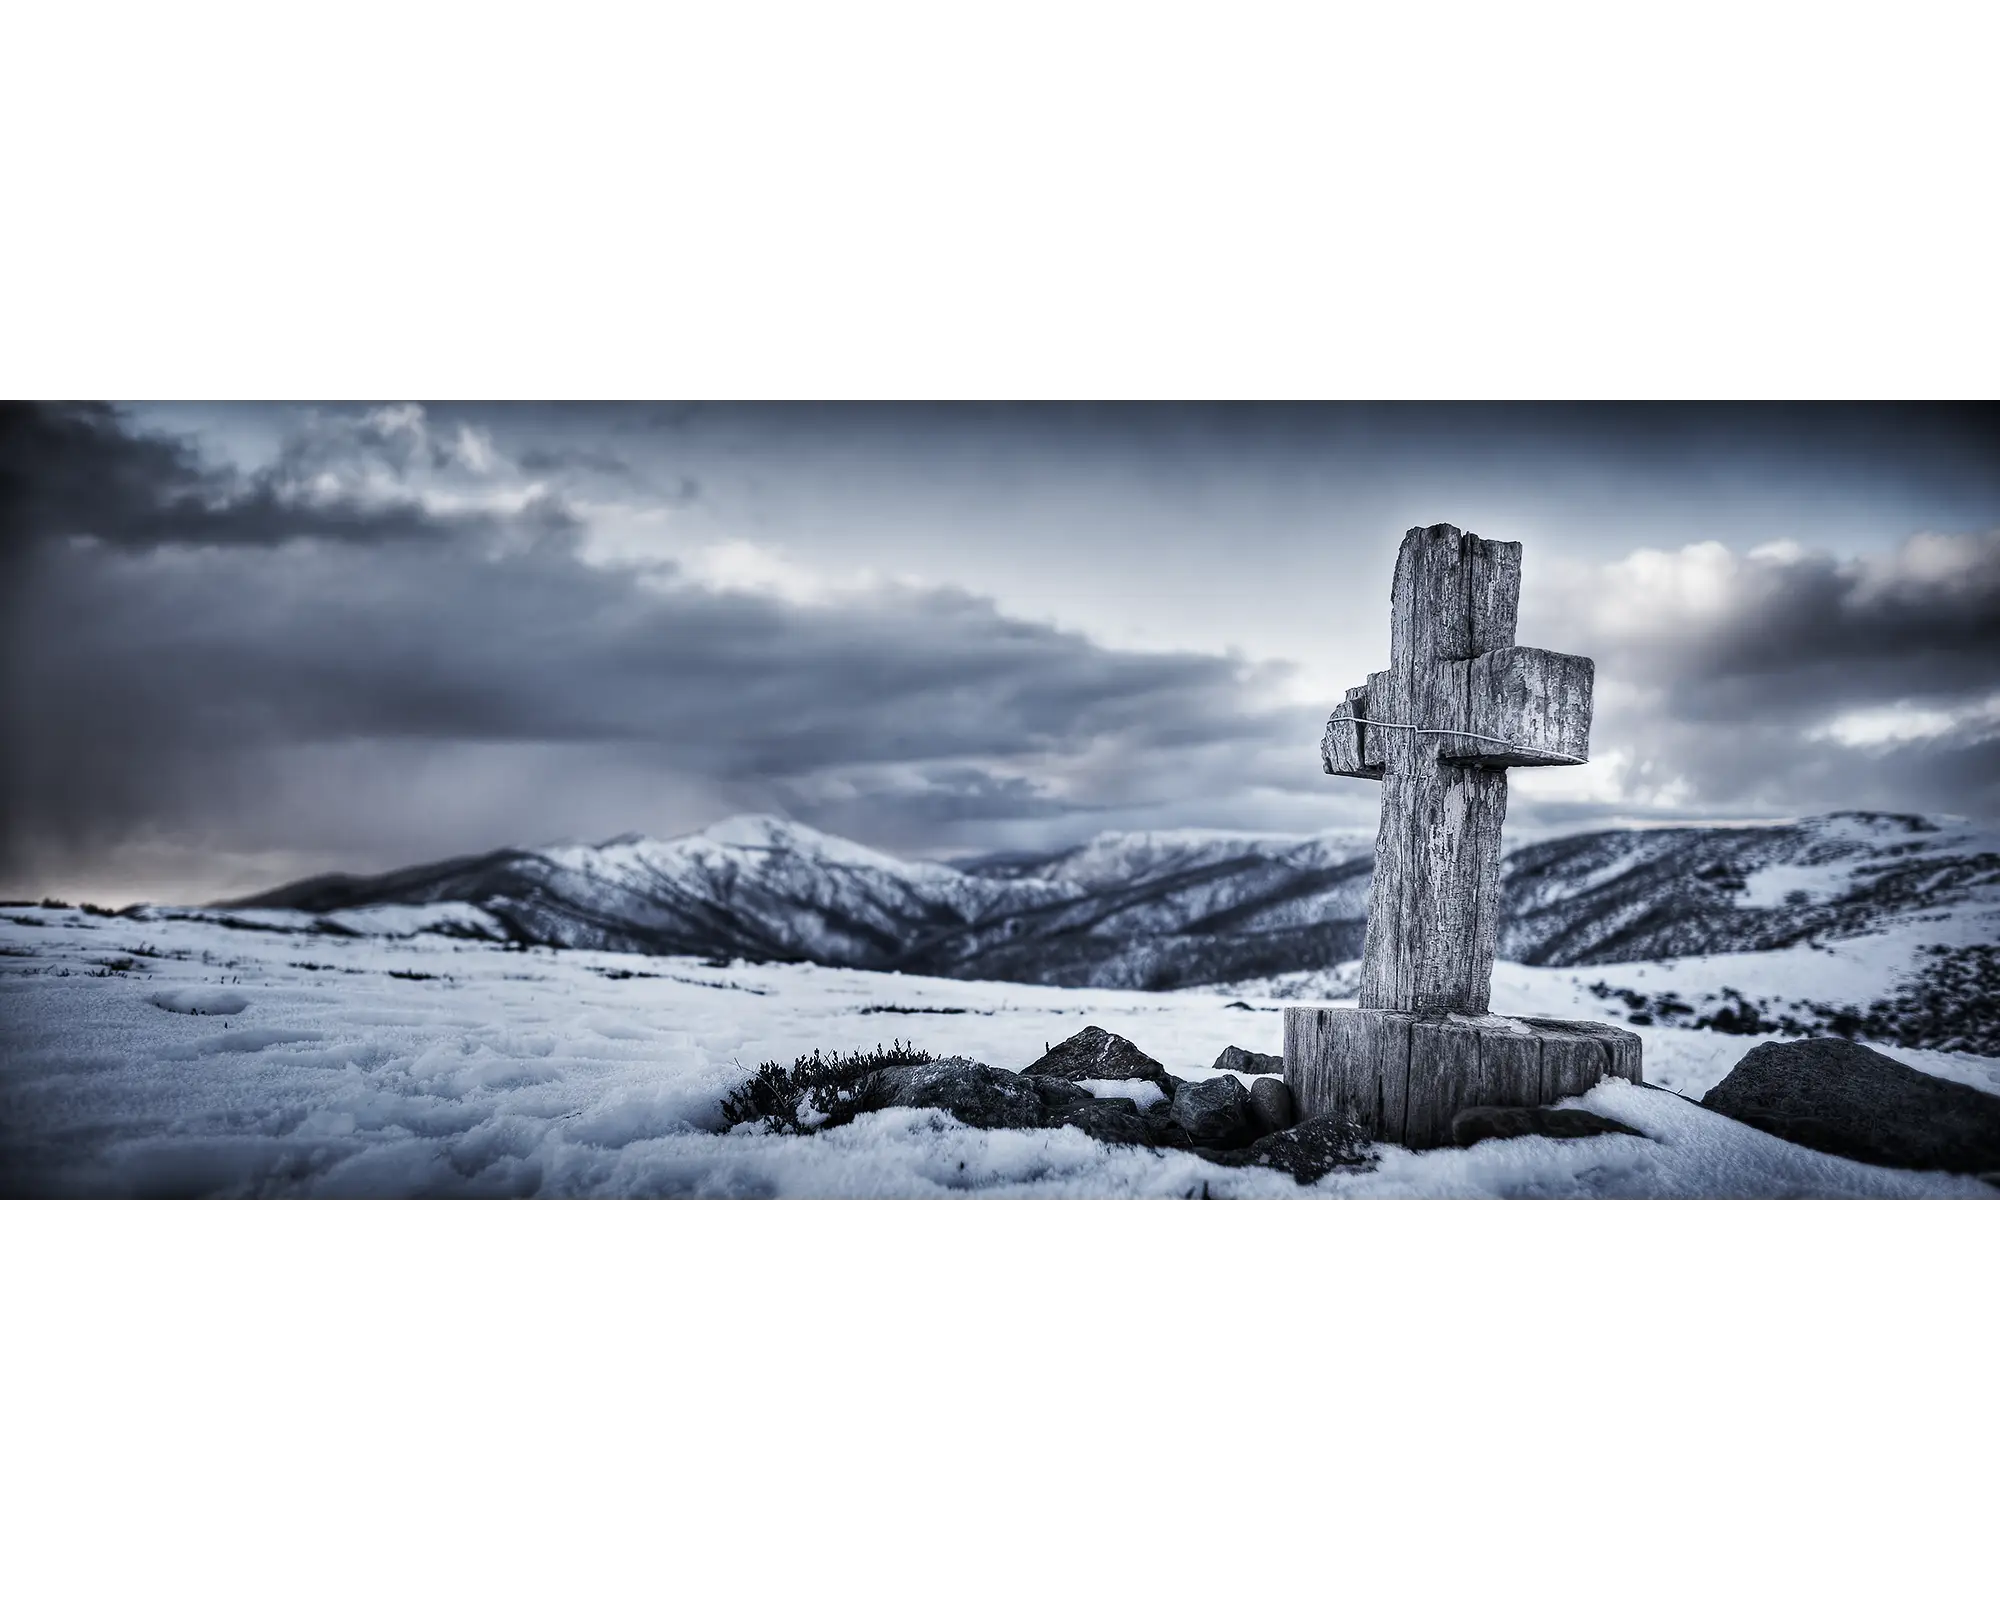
1781	984
163	1057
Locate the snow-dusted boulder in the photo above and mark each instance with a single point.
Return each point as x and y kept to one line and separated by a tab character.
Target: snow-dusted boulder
1215	1112
978	1095
1271	1105
1478	1123
1233	1059
1308	1151
1059	1094
1094	1053
1844	1099
1112	1121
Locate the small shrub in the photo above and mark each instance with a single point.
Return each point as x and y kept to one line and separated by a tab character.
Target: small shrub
818	1090
51	903
416	977
1742	1017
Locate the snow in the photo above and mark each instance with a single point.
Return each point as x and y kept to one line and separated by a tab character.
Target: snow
400	922
1118	858
1688	1154
213	1001
1849	972
636	855
1142	1092
1770	887
291	1061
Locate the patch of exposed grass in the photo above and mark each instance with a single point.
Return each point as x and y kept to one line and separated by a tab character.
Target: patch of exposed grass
816	1091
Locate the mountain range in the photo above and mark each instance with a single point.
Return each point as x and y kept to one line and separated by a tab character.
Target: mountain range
1165	910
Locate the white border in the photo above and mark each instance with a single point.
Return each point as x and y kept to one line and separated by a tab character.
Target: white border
1039	200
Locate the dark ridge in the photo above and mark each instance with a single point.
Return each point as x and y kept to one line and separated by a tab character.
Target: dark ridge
461	878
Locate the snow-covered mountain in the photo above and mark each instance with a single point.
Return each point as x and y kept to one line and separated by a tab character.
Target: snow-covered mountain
753	887
1173	909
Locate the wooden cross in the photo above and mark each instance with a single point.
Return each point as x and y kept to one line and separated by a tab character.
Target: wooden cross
1460	703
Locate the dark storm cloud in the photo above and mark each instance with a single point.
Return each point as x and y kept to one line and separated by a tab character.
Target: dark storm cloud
436	642
156	674
1812	631
160	670
1789	679
537	458
1936	453
1798	630
1777	768
80	471
674	490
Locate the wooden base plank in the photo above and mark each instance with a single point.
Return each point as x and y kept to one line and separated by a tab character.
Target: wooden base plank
1402	1076
1445	1077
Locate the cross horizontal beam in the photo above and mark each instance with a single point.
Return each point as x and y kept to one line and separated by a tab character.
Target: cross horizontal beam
1522	707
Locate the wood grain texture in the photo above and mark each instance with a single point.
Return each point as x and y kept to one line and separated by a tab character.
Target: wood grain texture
1445	1076
1344	749
1626	1053
1572	1060
1621	1053
1433	909
1511	1068
1402	1077
1351	1063
1539	698
1493	593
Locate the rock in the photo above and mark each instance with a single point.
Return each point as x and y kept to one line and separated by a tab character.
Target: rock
1058	1094
979	1096
1113	1121
1166	1134
1215	1113
1271	1108
1094	1053
1476	1123
1842	1098
1235	1060
1308	1151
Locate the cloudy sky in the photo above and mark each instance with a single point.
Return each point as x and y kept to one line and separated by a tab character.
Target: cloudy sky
244	642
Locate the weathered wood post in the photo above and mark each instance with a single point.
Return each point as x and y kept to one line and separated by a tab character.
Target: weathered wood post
1460	703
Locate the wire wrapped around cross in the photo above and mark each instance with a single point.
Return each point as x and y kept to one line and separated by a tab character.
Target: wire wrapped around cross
1461	733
